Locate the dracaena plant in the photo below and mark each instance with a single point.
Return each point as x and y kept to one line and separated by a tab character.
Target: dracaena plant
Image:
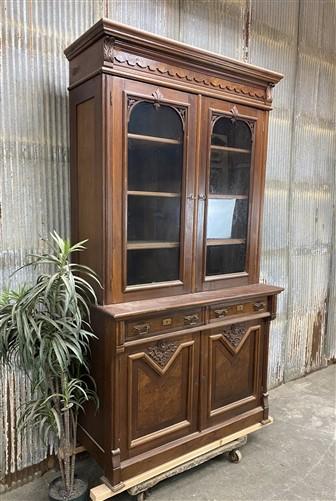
45	332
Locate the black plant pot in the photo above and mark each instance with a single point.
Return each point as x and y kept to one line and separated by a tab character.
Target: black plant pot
56	490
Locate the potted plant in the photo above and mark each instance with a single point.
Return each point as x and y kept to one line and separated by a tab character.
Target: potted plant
45	332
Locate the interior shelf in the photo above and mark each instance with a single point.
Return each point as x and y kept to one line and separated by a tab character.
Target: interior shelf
227	197
151	245
153	194
153	139
225	241
229	148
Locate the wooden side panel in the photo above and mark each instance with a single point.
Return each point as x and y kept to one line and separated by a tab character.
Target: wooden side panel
87	174
162	392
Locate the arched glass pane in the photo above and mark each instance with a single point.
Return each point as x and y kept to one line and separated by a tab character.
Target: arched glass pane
227	209
155	172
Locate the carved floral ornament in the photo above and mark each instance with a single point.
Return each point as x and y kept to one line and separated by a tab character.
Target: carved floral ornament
161	352
122	58
234	334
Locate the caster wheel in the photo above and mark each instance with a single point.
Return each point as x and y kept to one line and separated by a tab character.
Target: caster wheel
141	496
235	456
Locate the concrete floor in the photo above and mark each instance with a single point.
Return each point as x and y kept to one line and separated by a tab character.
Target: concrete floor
294	459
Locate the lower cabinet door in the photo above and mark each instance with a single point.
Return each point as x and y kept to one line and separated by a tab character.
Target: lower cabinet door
232	369
161	392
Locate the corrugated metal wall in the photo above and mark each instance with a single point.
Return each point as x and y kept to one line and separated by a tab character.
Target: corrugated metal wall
295	37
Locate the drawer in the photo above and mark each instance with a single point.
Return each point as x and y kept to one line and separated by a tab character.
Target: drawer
164	323
222	310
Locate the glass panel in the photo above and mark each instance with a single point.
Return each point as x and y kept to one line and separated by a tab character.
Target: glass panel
150	119
229	181
152	219
223	259
155	170
152	265
154	166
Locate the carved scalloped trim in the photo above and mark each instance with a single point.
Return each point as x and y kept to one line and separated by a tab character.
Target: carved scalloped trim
183	74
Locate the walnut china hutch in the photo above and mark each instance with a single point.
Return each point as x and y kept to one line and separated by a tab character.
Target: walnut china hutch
168	151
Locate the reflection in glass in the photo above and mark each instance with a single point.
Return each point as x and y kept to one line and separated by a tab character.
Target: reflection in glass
229	172
227	208
155	170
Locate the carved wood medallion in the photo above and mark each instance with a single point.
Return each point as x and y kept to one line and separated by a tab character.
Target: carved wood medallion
162	352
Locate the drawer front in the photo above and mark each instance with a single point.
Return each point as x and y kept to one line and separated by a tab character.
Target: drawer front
164	323
222	310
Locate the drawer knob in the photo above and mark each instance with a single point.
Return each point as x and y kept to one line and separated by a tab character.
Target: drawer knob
142	329
191	320
259	306
221	313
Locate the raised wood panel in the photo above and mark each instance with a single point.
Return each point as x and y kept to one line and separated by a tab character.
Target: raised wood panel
233	372
161	391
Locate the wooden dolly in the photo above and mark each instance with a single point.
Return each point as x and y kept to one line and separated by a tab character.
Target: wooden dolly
137	486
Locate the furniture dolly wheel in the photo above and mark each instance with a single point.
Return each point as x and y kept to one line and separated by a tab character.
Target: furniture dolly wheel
143	495
235	456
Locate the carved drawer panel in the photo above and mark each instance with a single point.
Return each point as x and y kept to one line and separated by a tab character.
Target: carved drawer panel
164	323
220	311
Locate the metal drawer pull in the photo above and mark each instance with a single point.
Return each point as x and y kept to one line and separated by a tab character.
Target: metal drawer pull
259	306
142	329
191	320
221	313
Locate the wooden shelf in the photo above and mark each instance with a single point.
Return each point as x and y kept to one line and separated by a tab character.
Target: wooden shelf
151	245
153	194
229	148
153	139
212	196
225	241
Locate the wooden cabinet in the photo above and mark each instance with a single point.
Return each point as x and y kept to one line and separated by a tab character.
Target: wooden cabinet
168	151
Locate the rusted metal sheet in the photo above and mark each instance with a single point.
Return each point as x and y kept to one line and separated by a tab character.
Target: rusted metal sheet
295	37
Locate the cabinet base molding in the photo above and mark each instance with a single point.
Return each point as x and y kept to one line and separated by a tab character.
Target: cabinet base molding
144	481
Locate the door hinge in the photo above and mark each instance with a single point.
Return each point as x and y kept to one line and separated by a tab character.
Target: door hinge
110	98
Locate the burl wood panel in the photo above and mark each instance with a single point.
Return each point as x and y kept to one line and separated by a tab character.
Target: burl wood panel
162	382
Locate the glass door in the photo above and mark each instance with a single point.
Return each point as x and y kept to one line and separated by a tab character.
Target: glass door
228	194
157	246
228	191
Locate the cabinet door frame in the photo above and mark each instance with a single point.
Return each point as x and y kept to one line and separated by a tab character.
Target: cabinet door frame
212	417
120	90
159	364
258	121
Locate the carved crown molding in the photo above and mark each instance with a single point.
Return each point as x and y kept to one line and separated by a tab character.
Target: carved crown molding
161	352
182	74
